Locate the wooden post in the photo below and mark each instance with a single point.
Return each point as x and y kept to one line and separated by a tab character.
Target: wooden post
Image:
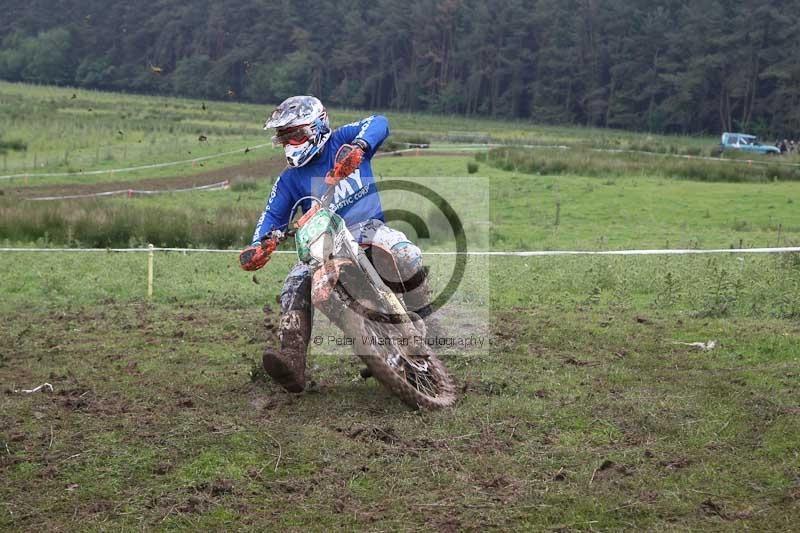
558	212
150	271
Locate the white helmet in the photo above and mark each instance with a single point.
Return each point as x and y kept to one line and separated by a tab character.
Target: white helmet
302	128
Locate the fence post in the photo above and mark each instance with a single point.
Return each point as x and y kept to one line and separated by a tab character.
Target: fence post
149	271
558	212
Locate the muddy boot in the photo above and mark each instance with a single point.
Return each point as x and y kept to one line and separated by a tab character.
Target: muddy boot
418	301
287	366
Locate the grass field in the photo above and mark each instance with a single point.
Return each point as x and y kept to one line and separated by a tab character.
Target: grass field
586	410
72	130
583	412
527	212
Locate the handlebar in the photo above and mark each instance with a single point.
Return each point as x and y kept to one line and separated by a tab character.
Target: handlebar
322	202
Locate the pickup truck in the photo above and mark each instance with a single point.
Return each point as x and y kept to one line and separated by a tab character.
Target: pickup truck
745	143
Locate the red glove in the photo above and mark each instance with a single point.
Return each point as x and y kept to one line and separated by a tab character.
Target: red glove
347	160
255	257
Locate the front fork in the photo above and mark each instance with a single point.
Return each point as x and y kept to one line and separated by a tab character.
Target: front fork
329	274
348	311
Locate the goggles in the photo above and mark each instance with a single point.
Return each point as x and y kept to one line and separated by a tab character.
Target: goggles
293	136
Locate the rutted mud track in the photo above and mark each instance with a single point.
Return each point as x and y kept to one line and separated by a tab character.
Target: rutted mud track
257	169
264	168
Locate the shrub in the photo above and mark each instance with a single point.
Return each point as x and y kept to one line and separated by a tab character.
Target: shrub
412	138
229	227
101	224
390	145
596	164
244	185
12	145
163	227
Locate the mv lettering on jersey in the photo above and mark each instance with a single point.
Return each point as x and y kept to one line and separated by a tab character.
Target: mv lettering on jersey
344	188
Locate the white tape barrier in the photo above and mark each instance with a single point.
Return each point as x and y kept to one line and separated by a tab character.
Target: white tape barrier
133	192
131	169
628	252
794	249
151	250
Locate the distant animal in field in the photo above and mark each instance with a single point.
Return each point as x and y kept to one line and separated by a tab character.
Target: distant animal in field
158	71
203	106
247	150
202	138
231	93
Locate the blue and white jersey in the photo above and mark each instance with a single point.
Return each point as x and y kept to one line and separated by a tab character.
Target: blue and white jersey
356	197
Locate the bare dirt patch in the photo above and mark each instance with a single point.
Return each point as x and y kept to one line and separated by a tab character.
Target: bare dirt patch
256	169
610	470
263	168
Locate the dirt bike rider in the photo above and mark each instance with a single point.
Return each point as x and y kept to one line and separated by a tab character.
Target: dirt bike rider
311	150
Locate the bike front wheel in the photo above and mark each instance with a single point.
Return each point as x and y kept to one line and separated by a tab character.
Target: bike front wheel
412	373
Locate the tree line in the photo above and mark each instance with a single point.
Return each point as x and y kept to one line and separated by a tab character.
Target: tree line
658	65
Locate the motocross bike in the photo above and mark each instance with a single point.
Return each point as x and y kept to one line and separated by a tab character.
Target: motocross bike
348	289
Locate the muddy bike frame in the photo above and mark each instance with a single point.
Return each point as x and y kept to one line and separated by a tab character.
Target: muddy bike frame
325	244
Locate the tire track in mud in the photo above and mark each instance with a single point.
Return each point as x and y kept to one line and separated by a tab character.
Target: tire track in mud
264	168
